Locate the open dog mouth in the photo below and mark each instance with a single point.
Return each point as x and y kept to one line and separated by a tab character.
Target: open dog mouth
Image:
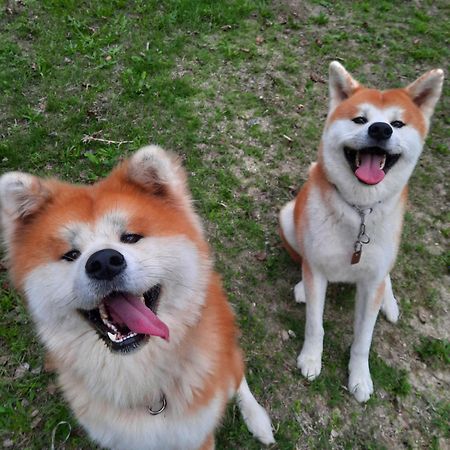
125	321
371	164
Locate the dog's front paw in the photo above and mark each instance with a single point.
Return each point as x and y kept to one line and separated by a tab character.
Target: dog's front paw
299	292
310	365
390	308
360	385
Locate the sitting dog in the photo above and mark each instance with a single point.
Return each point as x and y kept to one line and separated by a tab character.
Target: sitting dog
345	223
119	281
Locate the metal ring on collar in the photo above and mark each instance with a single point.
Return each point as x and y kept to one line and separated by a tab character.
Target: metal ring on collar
160	410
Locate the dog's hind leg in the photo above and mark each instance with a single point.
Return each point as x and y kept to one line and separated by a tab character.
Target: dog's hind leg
299	292
287	231
389	307
255	416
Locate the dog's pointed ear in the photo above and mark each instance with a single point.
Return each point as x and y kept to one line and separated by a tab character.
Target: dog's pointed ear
156	171
21	195
341	84
426	90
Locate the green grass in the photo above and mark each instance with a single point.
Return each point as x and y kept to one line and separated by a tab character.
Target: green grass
434	351
222	84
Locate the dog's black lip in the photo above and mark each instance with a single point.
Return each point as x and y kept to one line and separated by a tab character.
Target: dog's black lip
151	298
391	158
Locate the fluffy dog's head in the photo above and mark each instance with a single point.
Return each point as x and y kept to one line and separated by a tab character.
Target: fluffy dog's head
123	261
372	139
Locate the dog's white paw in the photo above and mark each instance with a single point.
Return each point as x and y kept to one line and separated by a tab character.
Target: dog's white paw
390	308
299	292
360	385
309	364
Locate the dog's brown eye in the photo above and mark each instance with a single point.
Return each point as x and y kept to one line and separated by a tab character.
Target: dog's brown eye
398	124
360	120
130	238
71	256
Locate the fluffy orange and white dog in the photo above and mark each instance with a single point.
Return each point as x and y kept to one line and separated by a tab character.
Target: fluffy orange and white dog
346	221
119	281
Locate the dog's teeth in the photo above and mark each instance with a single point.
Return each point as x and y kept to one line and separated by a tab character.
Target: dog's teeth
357	159
113	337
105	317
383	162
102	310
118	338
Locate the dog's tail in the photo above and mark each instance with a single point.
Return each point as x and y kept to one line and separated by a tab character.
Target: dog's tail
255	416
287	231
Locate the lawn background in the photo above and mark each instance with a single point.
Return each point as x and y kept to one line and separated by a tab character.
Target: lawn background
238	90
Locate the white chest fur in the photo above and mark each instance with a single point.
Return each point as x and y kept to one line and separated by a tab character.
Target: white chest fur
332	230
136	429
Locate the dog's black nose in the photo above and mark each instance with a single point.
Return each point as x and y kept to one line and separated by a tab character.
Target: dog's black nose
105	264
380	131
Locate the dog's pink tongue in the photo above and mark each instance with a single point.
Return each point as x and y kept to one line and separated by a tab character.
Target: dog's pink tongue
136	316
369	170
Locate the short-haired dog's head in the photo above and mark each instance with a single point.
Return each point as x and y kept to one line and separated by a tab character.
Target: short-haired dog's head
373	139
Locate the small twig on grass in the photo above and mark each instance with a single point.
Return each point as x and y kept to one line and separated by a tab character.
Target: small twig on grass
87	138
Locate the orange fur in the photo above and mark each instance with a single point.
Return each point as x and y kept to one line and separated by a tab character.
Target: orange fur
208	365
382	99
316	180
71	203
209	443
300	215
378	300
308	277
216	336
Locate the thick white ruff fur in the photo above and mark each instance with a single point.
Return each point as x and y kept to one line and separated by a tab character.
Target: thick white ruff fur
109	392
324	227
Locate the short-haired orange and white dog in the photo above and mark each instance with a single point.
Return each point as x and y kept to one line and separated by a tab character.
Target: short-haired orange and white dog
119	281
346	221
